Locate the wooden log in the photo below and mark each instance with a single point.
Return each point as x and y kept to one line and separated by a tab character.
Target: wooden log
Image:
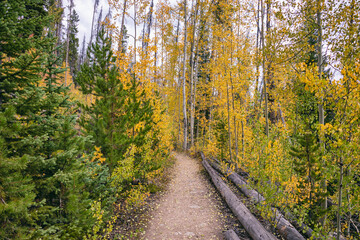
231	235
248	221
255	196
284	227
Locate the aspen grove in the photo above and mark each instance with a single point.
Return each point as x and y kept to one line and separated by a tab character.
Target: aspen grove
270	88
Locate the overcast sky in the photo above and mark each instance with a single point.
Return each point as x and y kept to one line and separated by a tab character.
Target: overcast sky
85	10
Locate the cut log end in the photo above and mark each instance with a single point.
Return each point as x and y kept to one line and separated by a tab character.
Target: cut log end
231	235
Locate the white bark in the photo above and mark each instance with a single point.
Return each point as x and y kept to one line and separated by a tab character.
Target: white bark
184	81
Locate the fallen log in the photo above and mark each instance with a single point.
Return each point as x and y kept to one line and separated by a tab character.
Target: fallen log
284	227
248	221
231	235
258	198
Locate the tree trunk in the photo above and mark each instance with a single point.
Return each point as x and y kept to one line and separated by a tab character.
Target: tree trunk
321	108
184	81
92	22
263	69
338	223
249	222
284	227
228	116
233	105
193	65
242	140
135	36
122	27
231	235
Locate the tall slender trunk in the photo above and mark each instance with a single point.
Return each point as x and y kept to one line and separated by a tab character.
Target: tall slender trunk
263	68
135	36
184	80
210	112
257	53
242	140
92	22
228	116
155	55
338	223
321	108
194	100
179	83
192	63
233	105
120	47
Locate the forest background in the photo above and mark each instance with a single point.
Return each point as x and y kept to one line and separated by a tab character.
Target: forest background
270	87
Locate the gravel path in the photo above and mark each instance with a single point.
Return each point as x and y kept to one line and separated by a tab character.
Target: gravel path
187	210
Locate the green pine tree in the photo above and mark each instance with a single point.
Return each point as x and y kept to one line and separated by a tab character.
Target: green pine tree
73	43
21	40
43	192
99	76
308	167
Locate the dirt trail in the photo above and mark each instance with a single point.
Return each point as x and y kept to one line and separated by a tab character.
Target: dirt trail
187	210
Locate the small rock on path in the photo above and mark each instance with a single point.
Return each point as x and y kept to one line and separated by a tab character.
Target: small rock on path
187	210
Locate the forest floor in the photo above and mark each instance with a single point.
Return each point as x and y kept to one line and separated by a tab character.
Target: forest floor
189	208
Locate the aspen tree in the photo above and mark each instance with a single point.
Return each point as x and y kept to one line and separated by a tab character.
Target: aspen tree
321	107
184	80
192	66
264	72
96	4
122	27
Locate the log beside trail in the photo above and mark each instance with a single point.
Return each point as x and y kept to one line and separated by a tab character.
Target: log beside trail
284	227
231	235
248	221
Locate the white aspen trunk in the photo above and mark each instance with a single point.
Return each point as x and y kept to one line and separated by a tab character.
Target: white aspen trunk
136	36
233	105
338	222
321	108
193	65
263	69
228	116
93	20
156	53
184	81
122	27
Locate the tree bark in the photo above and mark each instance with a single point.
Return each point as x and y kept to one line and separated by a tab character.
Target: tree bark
193	65
263	68
122	27
338	223
228	115
321	108
249	222
184	81
92	22
284	227
231	235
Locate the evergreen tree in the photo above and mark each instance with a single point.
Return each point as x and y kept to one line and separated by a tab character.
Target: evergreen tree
21	41
308	166
100	77
73	43
54	147
118	109
41	176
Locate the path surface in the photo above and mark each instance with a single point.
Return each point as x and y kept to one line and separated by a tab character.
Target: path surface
187	210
